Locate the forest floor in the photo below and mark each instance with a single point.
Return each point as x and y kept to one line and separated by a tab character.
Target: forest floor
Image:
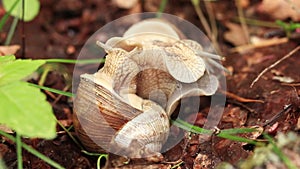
62	27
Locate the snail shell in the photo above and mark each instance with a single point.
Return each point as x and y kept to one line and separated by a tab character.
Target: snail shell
107	119
125	107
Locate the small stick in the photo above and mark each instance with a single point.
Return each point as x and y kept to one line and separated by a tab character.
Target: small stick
242	106
241	99
242	19
274	64
290	84
59	96
278	115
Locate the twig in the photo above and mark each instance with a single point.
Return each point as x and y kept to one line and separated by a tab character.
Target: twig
277	116
290	84
242	19
202	18
213	24
274	64
240	99
210	33
66	88
265	43
242	106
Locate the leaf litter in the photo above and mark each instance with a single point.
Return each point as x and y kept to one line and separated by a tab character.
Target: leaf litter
62	32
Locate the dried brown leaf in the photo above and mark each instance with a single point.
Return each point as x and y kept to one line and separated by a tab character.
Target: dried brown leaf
235	35
5	129
281	9
9	50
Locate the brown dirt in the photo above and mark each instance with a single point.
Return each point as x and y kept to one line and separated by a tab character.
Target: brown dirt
63	26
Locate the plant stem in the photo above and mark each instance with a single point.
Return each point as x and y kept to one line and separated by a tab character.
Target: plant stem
99	160
281	155
162	7
23	43
69	134
213	23
11	31
242	19
212	34
258	22
5	17
202	18
33	151
44	76
19	151
68	94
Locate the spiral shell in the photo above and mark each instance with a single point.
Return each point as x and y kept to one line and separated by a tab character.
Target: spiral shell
125	107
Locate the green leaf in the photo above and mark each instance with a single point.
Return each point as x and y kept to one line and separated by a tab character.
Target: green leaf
25	110
4	59
32	8
16	70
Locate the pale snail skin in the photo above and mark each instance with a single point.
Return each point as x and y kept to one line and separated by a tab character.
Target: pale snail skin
126	105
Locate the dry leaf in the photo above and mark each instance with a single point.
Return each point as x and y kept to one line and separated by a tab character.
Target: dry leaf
257	57
9	50
281	9
125	4
244	3
235	35
283	79
298	124
5	129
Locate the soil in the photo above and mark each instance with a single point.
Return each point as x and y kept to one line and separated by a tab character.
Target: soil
63	26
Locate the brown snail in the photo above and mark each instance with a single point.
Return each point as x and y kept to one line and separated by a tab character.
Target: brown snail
125	107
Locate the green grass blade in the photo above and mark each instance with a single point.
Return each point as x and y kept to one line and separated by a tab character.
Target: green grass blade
280	154
7	14
99	160
72	61
19	151
70	135
237	138
11	31
256	22
188	127
68	94
227	133
162	7
33	151
238	130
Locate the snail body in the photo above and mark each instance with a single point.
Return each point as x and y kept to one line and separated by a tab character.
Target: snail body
125	107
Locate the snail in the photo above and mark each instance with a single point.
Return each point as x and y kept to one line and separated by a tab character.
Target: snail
125	107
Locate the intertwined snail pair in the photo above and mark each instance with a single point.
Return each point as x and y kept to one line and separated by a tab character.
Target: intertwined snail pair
125	107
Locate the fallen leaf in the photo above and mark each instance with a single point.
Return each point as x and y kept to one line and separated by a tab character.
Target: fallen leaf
5	129
298	124
9	50
234	115
283	79
125	4
244	3
257	58
235	35
281	9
